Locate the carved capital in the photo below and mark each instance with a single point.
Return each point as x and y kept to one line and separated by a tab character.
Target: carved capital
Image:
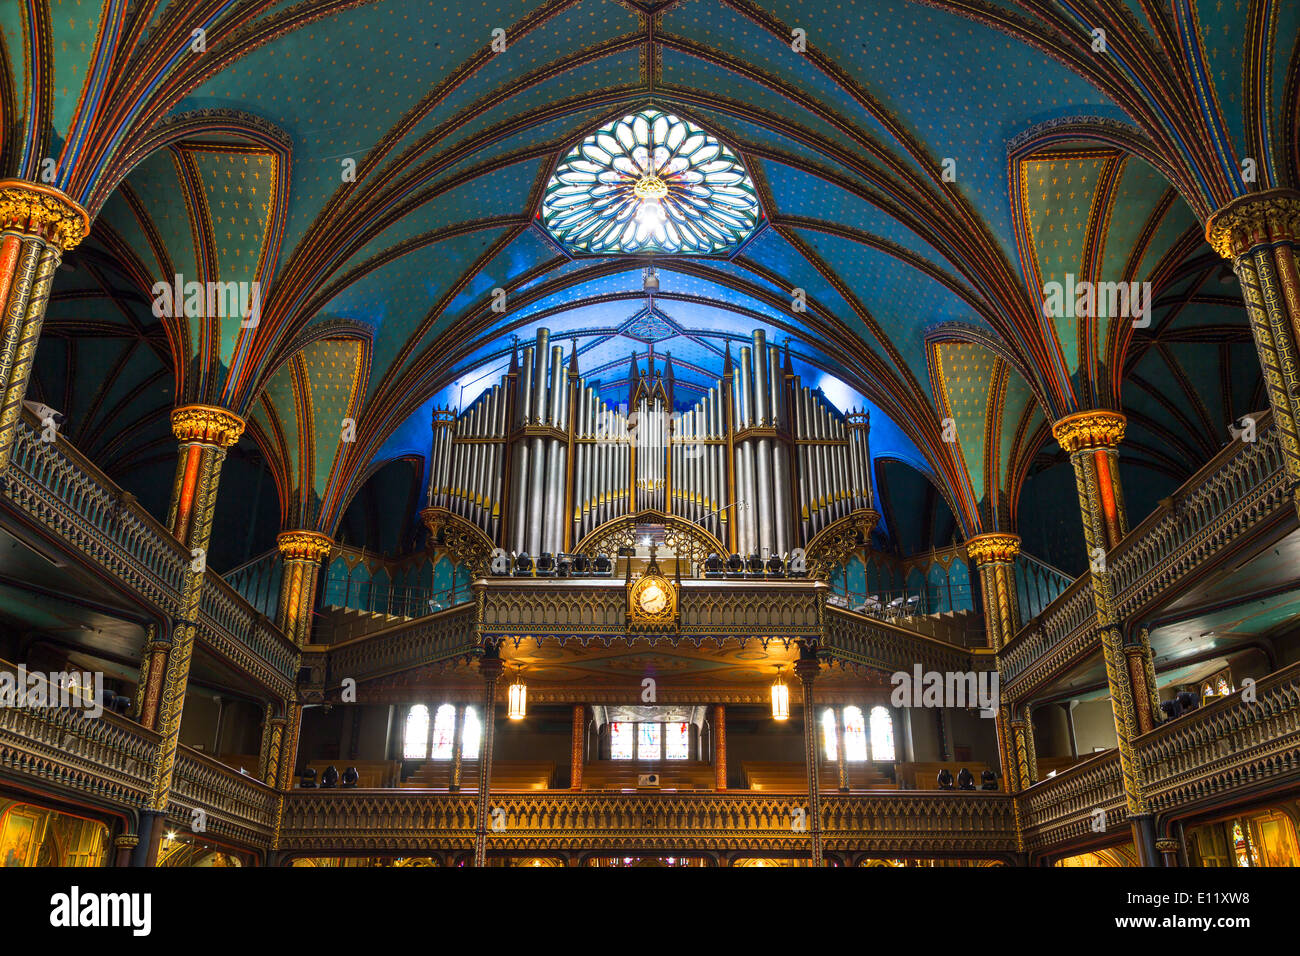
1093	429
994	547
303	545
1272	216
42	212
207	424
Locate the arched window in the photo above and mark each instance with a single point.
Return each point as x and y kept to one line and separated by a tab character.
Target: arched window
444	732
882	733
855	734
470	734
828	734
415	739
621	740
677	741
649	745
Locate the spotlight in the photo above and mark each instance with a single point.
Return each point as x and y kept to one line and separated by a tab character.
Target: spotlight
713	566
945	779
603	564
581	564
965	780
1187	701
546	565
523	565
988	780
350	777
563	563
775	566
755	563
735	564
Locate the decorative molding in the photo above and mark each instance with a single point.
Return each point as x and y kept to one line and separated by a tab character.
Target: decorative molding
1097	428
994	547
303	545
207	424
42	212
1254	219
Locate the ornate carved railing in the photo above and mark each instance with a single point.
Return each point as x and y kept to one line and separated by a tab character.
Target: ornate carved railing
232	804
1239	490
106	758
382	821
1065	807
439	637
53	486
858	639
1227	745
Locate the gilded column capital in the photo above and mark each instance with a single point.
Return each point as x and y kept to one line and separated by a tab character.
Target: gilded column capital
303	545
1270	216
208	424
1098	428
993	548
42	212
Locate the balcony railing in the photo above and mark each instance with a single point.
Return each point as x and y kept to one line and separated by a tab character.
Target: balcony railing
1226	745
1084	800
63	493
327	822
1239	490
227	802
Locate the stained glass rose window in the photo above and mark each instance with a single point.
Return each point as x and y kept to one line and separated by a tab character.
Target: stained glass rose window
650	182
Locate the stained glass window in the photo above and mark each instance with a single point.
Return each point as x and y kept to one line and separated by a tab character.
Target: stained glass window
677	741
882	734
828	734
444	732
648	744
471	732
650	182
855	734
415	740
620	740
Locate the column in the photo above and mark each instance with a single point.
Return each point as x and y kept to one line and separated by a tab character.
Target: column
806	668
204	433
153	659
268	764
719	747
37	225
301	552
1260	233
457	751
1091	439
842	763
994	555
490	667
579	746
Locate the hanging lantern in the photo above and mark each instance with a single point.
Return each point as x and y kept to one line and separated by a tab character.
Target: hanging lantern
780	698
517	708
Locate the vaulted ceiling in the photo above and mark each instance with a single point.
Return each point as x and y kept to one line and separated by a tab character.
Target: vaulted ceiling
924	170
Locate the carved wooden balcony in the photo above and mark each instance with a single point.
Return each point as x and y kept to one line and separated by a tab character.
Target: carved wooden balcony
378	821
1086	800
1225	746
69	501
1242	490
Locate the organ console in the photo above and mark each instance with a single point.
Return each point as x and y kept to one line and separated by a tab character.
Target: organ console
540	462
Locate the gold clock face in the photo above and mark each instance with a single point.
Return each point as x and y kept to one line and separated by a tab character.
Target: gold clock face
653	598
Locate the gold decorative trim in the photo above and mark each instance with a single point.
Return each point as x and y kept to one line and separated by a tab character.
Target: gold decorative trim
1092	429
303	545
465	542
993	547
207	424
1272	216
42	212
831	546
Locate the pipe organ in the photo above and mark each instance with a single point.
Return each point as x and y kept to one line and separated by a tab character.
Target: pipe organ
540	461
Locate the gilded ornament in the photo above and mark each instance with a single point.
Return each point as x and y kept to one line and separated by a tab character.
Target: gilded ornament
303	545
1092	429
993	547
42	212
1272	216
207	424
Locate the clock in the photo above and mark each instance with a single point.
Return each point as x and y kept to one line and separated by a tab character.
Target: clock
652	599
